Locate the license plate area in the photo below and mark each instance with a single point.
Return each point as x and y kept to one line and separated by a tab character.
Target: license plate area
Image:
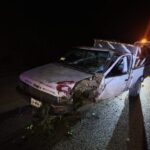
36	103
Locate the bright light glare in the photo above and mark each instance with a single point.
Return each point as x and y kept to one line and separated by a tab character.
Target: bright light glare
144	40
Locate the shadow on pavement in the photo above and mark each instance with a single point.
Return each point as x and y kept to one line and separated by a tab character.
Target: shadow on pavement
120	134
129	133
136	125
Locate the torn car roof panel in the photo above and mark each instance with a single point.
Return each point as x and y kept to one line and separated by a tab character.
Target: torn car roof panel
116	46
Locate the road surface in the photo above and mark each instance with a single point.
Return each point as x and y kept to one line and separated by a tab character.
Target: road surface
120	123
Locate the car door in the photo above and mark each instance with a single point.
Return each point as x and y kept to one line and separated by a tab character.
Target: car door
116	78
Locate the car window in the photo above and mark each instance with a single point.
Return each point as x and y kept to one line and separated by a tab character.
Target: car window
122	67
91	61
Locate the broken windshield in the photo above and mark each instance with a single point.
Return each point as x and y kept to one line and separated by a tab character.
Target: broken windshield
91	61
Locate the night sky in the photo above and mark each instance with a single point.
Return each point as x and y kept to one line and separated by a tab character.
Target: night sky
36	32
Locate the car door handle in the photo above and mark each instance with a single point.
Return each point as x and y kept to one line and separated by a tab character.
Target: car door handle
126	79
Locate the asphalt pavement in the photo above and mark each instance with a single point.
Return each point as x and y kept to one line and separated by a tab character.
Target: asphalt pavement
145	105
96	129
10	99
119	123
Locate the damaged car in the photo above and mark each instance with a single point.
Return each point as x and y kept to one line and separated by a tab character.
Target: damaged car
85	74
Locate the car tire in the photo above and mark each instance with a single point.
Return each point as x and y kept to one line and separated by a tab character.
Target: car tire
134	91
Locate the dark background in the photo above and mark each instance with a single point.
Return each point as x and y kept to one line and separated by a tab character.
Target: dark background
36	32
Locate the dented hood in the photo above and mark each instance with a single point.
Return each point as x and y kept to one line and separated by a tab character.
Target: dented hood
53	72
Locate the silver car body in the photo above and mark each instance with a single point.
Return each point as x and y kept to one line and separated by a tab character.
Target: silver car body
47	78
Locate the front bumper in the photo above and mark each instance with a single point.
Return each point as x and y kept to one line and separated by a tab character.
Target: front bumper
54	102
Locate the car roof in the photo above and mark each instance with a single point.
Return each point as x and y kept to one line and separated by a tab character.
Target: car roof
101	49
117	46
